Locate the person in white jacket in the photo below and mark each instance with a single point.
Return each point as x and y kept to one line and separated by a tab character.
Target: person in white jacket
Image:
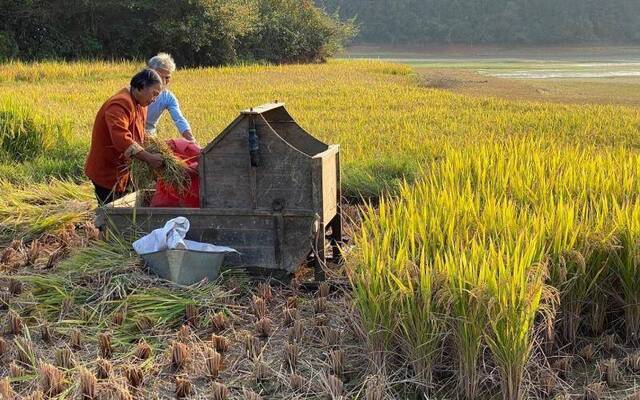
164	65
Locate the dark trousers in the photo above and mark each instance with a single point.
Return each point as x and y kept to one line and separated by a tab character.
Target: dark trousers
106	196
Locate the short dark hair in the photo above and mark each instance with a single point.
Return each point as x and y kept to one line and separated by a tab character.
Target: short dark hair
145	78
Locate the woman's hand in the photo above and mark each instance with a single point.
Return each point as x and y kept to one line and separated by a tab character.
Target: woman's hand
154	160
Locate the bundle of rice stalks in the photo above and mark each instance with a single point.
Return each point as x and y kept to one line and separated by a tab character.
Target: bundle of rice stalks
75	339
143	350
633	361
296	381
323	290
220	343
219	391
174	172
610	372
334	386
45	332
594	391
6	391
374	389
251	345
291	352
88	383
15	287
329	336
264	327
183	387
51	380
15	324
336	362
289	315
33	253
64	358
4	347
296	332
219	322
213	361
265	291
320	305
104	368
118	318
5	300
179	355
134	375
191	314
259	307
24	351
609	342
104	341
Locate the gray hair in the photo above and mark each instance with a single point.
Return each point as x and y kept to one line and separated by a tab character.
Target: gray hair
163	61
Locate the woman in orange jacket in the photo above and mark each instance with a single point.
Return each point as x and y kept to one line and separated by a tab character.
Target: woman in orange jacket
118	135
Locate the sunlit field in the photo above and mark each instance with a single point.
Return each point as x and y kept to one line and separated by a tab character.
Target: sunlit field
494	252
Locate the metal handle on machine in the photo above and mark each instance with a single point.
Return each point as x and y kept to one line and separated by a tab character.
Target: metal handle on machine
254	143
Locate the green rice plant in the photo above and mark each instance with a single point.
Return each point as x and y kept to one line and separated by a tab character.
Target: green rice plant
25	135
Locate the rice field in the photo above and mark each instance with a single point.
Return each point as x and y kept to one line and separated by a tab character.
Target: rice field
493	252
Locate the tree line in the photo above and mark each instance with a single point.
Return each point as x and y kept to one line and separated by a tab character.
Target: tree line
491	21
196	32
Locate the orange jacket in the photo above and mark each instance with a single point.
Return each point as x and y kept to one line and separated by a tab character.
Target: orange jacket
118	133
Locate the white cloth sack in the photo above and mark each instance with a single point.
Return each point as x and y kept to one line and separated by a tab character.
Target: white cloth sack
172	236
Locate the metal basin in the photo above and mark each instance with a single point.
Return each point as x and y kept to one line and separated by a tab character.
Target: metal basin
185	267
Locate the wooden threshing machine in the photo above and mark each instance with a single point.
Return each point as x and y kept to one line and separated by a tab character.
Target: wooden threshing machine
267	188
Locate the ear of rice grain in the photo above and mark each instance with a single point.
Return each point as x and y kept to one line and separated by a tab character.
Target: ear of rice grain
174	172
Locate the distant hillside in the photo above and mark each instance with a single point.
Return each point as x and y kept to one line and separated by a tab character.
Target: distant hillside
492	21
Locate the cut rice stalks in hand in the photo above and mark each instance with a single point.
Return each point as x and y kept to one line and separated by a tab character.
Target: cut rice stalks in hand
174	172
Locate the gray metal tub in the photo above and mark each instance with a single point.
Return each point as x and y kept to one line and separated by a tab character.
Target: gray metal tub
185	267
